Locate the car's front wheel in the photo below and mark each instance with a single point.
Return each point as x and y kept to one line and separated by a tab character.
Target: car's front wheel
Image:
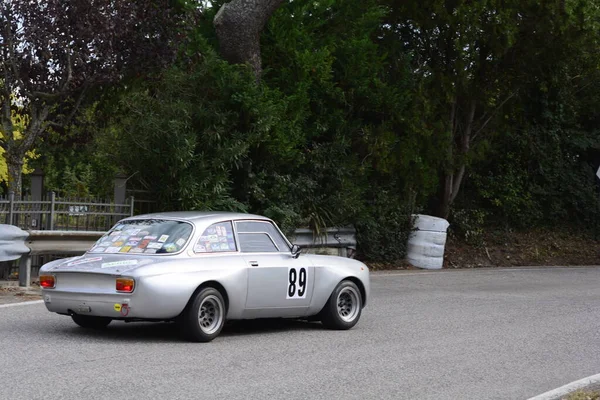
204	318
342	310
90	322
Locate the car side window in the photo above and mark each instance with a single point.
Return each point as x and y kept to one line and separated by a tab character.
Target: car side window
260	237
216	238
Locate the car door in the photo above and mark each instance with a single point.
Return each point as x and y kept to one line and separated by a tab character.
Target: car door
279	285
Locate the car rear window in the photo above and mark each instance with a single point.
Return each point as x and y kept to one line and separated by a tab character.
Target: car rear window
145	236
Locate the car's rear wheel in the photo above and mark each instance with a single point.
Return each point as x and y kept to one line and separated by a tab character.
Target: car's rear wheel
204	318
342	310
90	322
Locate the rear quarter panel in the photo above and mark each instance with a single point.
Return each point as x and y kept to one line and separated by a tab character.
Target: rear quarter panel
166	288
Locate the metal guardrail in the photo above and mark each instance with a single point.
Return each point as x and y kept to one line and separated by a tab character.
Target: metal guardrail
12	243
19	244
343	239
16	243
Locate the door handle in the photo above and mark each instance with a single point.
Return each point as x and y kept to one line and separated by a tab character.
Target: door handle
254	263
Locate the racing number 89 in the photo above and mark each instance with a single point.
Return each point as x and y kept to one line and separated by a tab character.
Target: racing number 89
297	282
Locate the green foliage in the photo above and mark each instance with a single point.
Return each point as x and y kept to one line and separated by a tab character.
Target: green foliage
70	161
308	146
383	230
469	225
351	123
542	169
182	136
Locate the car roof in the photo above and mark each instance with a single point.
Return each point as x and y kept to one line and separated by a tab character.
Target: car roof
198	216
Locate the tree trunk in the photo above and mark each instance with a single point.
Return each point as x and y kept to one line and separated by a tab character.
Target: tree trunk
452	181
445	194
15	150
238	25
15	174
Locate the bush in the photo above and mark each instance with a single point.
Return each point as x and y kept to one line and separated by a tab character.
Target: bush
469	225
382	233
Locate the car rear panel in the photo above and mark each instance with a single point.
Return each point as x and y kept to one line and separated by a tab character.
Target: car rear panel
81	282
87	285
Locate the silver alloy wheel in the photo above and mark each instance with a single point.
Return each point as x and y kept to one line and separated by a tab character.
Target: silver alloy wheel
210	314
348	304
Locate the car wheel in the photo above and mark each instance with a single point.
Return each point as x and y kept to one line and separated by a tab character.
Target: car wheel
342	310
205	316
87	321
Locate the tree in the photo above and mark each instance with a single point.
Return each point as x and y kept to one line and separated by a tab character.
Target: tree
53	52
541	170
469	57
238	25
19	122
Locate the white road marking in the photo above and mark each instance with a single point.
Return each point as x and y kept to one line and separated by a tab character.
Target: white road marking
568	388
23	303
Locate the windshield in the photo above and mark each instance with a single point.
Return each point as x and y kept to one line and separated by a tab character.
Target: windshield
144	236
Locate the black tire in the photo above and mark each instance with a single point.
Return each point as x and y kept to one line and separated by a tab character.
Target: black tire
203	319
342	310
89	322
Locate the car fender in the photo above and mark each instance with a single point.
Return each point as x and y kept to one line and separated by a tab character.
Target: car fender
331	270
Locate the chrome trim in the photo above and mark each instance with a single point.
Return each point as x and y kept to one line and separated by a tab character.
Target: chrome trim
273	224
125	277
55	281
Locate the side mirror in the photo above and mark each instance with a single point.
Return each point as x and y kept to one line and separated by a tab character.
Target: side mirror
295	251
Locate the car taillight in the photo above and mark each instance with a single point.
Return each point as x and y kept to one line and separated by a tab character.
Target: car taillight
47	281
125	285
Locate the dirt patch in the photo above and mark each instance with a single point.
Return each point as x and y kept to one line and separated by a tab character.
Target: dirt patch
512	249
16	294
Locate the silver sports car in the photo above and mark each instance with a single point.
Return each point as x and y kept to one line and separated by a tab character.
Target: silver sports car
199	270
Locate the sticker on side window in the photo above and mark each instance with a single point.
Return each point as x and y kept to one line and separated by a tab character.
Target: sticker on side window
297	283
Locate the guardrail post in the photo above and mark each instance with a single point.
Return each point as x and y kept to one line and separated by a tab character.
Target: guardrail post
11	207
132	203
52	205
25	270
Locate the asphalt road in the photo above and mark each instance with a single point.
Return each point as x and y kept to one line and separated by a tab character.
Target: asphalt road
467	334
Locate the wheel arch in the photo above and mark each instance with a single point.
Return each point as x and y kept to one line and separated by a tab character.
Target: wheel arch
361	287
214	284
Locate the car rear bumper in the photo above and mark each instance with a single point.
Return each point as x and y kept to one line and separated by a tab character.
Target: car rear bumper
98	305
